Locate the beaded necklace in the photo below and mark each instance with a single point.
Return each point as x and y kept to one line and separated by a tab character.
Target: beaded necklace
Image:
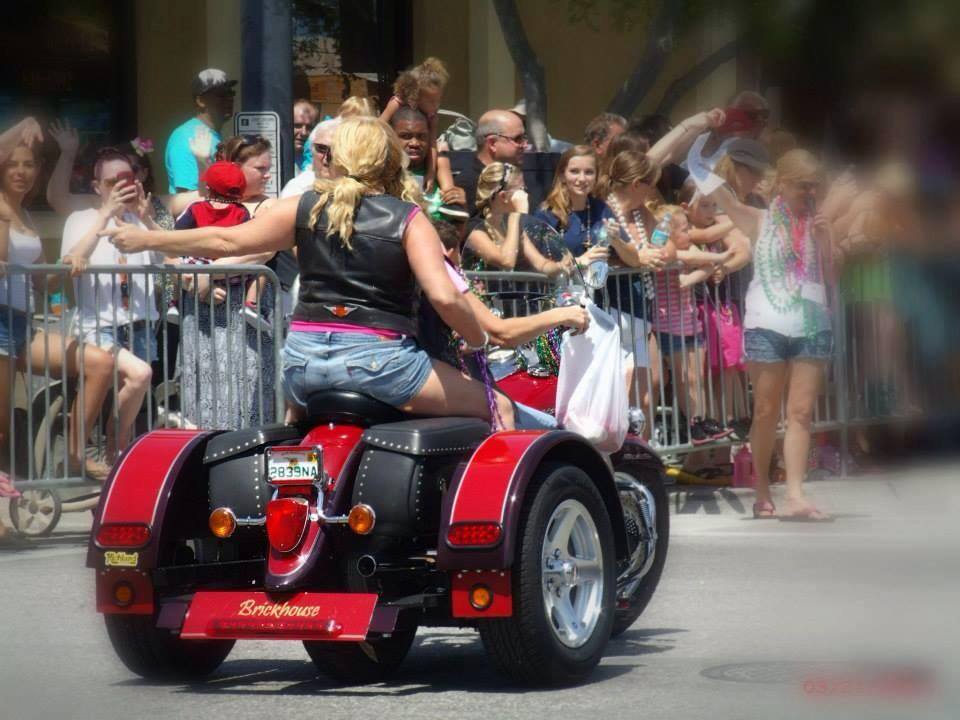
785	261
642	241
455	353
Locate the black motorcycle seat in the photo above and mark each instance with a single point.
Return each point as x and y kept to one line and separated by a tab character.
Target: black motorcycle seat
429	436
344	406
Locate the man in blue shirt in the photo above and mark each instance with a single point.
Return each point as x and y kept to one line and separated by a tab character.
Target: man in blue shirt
213	95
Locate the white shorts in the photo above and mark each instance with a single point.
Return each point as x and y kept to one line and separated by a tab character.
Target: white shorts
633	338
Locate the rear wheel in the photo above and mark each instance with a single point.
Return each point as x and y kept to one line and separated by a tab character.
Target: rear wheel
564	583
158	654
362	663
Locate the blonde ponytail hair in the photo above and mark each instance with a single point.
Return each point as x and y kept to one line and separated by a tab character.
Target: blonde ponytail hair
368	159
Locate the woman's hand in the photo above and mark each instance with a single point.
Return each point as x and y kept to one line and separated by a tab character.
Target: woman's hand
65	136
144	205
127	238
651	257
821	227
122	194
701	122
77	264
592	255
575	317
30	132
520	202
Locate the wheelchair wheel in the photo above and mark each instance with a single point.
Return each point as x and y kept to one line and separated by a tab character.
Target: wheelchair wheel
36	512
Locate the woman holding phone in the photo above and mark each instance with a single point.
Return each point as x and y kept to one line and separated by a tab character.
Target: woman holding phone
117	311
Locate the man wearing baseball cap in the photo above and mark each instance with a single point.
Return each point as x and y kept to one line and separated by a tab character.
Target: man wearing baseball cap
213	94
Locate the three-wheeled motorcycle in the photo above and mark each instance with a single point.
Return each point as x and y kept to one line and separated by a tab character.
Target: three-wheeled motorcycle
350	530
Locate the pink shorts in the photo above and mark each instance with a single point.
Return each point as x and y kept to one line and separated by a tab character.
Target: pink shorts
724	332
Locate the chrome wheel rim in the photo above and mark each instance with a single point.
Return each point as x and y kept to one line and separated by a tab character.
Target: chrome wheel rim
572	573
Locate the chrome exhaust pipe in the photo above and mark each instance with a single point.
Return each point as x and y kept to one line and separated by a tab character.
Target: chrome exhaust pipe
367	566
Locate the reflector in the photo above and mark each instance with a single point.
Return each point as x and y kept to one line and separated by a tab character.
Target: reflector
122	536
481	597
286	522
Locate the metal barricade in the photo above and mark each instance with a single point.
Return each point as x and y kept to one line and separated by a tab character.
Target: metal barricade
181	337
683	373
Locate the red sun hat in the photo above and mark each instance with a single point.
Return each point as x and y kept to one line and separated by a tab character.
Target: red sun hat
225	179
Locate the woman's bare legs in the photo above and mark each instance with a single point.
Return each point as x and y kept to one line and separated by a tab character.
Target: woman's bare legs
804	387
449	392
97	376
133	383
768	381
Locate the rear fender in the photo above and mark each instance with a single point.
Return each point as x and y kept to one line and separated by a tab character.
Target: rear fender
138	491
492	487
341	456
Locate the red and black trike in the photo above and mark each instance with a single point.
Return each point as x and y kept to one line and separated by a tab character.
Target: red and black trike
351	530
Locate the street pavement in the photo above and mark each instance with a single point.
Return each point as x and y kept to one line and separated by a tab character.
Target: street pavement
752	619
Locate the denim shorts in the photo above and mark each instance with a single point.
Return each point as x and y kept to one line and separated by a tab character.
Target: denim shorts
391	371
670	343
528	418
13	336
144	339
766	346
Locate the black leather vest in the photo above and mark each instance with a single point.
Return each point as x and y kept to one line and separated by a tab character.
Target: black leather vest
371	284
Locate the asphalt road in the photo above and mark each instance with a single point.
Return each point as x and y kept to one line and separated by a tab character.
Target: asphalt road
747	614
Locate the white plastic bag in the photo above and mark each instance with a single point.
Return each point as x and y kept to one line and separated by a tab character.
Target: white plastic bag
591	389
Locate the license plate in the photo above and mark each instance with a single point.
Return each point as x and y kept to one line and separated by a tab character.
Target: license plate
293	463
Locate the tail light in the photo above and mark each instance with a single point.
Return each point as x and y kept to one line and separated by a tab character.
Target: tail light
122	536
286	522
474	534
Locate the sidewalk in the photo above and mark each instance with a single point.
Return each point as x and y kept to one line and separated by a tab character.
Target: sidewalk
918	489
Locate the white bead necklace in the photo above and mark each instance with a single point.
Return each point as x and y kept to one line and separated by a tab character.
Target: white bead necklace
646	275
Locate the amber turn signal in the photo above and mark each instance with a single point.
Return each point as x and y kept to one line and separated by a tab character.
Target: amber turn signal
361	519
223	523
481	597
122	594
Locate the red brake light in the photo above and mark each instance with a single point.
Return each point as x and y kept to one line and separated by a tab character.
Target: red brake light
122	536
286	522
474	533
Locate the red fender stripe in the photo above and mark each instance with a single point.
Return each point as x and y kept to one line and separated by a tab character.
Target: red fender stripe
483	490
135	493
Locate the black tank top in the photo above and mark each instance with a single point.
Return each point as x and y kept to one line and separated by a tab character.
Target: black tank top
372	283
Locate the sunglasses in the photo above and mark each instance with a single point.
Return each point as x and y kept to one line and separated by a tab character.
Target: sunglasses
520	139
249	140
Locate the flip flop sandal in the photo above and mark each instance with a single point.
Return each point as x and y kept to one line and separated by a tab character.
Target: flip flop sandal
764	511
807	515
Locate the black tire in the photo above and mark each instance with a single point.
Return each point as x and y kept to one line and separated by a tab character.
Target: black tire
158	654
371	661
36	512
624	617
525	647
